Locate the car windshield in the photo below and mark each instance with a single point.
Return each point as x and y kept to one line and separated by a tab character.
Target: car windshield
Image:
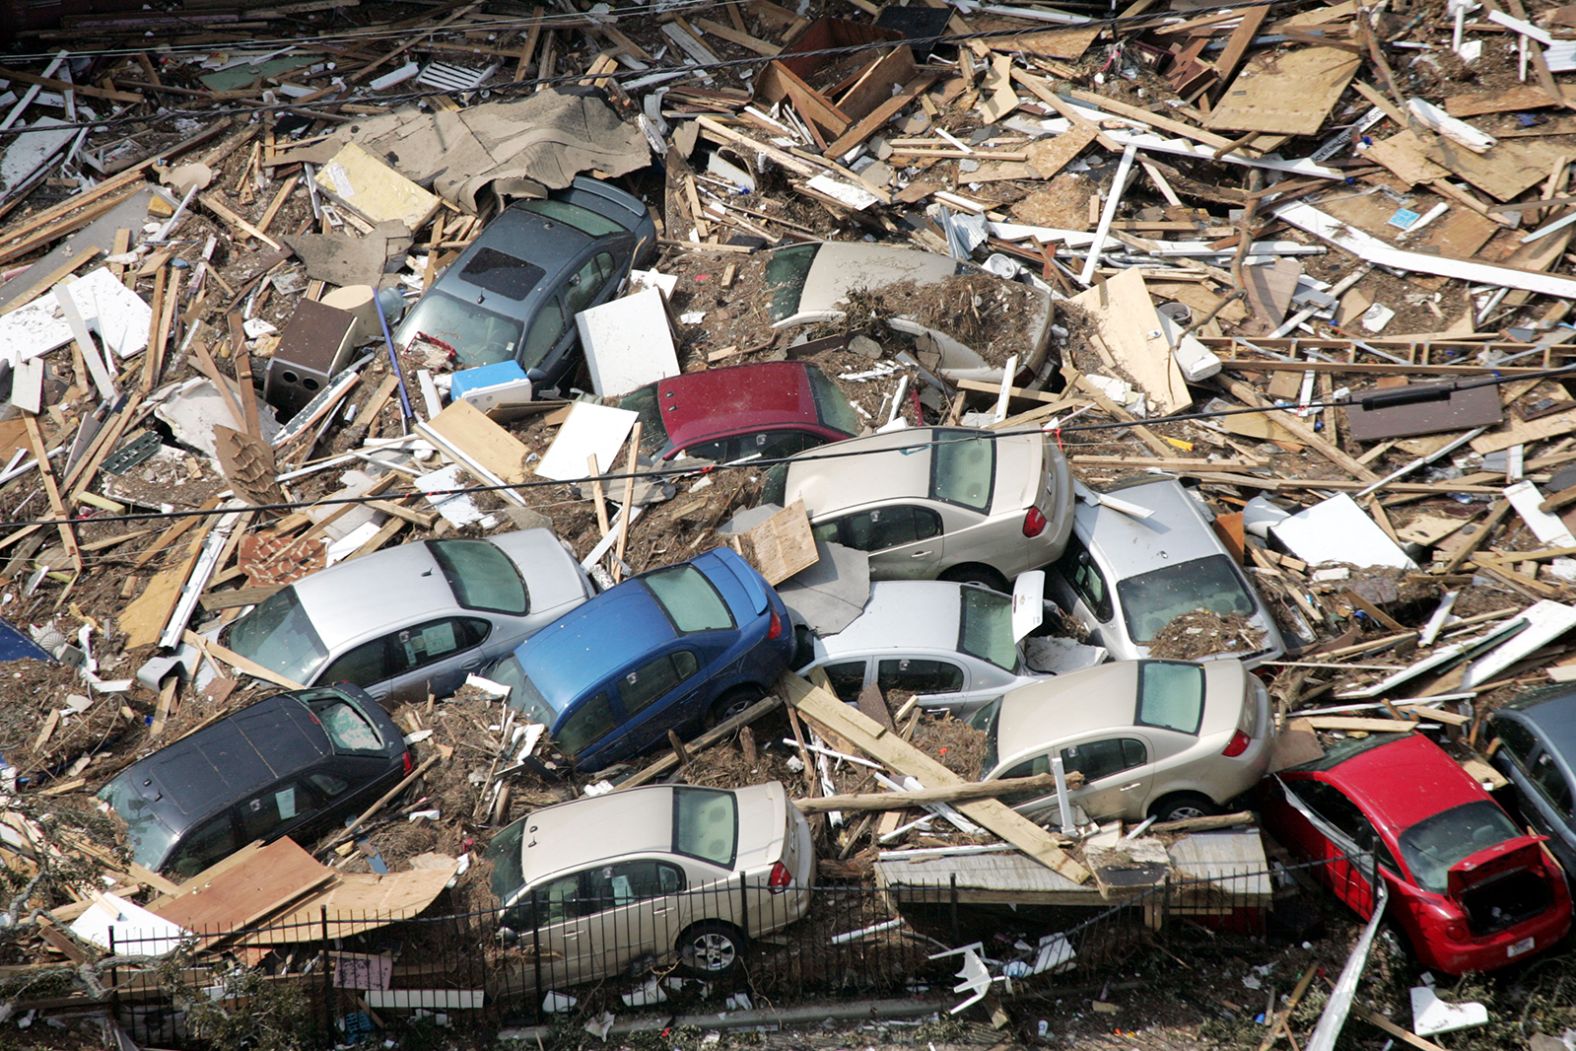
149	837
582	219
985	628
1171	695
831	404
474	335
706	824
689	599
481	576
786	272
962	469
348	729
1433	845
984	720
524	697
504	853
1152	600
653	432
279	635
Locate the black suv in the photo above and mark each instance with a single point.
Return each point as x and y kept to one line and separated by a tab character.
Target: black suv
289	765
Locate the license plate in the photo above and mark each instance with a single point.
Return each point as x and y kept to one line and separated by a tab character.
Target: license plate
1524	945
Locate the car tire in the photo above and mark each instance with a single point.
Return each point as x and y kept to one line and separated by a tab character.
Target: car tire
711	949
975	573
733	702
1179	806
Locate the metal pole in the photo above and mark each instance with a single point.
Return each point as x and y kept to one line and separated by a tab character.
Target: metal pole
406	413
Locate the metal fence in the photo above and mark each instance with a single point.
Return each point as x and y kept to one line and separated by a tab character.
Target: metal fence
570	957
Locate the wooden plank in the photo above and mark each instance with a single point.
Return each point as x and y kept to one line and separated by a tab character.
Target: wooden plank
825	709
212	202
780	546
469	429
1285	92
721	731
1248	395
238	662
143	618
57	507
1361	723
867	125
877	801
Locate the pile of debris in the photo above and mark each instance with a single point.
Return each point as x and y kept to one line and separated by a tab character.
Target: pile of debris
1305	256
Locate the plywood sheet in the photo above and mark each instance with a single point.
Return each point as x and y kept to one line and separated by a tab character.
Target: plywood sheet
1505	171
1046	157
1130	328
1504	100
373	190
590	430
782	545
468	429
1523	431
1403	155
1285	92
1462	410
226	897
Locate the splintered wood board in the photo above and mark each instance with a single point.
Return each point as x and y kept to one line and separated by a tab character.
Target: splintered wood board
1508	168
1130	328
1504	100
469	429
1402	154
1286	92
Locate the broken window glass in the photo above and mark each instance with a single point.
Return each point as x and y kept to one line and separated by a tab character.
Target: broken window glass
1152	600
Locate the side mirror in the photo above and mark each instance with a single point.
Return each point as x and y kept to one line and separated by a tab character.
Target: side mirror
536	376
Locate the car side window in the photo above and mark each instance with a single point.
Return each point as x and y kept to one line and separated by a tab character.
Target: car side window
1546	774
364	665
846	679
212	841
1040	764
587	282
558	900
1100	759
1331	804
1515	739
422	645
591	720
773	445
1078	567
328	784
655	678
265	813
919	676
614	886
546	327
887	527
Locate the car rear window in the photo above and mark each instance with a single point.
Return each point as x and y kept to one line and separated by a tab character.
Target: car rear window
984	720
473	334
524	697
1171	695
348	729
706	824
653	432
831	404
503	274
985	627
786	272
279	635
582	219
481	576
504	853
962	469
1434	844
149	837
1152	600
691	602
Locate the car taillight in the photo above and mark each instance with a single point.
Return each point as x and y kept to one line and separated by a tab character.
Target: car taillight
780	879
1034	522
406	766
776	629
1457	930
1237	745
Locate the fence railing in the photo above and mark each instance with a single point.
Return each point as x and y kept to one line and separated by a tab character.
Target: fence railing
732	943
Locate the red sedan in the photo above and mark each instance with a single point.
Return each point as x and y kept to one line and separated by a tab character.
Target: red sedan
1470	891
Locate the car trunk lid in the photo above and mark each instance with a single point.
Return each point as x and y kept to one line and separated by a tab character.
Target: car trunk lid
763	842
1020	478
1501	885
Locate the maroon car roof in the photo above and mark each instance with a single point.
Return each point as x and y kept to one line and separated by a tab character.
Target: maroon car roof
1405	780
717	403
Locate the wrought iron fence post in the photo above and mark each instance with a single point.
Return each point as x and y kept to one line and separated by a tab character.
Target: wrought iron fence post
536	962
328	977
744	905
114	984
952	902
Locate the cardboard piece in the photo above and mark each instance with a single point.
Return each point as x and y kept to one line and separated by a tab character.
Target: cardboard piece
627	343
590	430
1130	327
127	927
373	190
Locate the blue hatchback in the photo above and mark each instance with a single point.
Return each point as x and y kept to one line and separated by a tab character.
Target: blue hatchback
667	650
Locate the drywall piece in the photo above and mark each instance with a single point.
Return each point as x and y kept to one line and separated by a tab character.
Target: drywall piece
127	927
1432	1015
113	312
27	385
1131	329
1548	527
627	344
22	157
1337	530
845	193
590	430
1544	622
373	190
83	339
195	409
467	429
1372	250
457	507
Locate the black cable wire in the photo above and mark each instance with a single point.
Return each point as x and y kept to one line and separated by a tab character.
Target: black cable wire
530	86
826	452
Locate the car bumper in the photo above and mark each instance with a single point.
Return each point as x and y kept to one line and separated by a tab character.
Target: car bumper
1437	950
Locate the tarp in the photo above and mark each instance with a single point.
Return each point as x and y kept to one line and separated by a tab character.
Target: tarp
515	147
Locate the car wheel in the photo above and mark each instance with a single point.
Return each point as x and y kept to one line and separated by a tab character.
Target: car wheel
733	702
711	949
974	573
1183	805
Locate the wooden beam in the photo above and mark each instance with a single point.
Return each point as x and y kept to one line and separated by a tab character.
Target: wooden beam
68	535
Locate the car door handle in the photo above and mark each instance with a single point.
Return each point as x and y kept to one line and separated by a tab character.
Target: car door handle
920	554
662	911
570	936
1130	787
